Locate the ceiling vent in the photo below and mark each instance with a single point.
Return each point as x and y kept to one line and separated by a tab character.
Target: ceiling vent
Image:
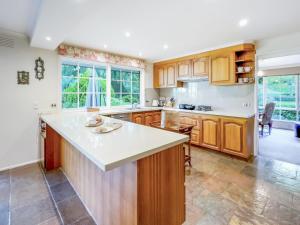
6	41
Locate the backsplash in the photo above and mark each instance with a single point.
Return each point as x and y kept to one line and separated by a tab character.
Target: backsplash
219	97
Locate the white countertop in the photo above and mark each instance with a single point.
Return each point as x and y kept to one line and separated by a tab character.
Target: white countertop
219	112
230	113
108	151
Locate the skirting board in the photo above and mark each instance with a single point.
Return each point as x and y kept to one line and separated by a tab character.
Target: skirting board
19	165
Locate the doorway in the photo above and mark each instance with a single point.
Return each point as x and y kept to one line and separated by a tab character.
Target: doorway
279	87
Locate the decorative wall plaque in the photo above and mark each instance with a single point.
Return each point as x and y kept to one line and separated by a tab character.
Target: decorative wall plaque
23	77
39	68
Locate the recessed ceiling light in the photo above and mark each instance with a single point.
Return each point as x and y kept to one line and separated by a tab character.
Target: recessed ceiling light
243	22
166	46
48	38
105	45
127	34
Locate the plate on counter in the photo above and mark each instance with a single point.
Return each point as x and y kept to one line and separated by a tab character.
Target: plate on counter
94	124
107	127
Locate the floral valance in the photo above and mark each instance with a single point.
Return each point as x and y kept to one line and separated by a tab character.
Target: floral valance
104	57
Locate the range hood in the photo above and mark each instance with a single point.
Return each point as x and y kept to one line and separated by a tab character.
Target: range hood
193	79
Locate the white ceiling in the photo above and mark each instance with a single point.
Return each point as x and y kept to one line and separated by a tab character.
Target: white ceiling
187	26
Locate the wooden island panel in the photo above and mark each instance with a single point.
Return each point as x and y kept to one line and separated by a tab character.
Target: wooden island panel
149	191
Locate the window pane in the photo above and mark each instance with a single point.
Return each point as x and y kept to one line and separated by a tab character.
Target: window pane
126	87
136	87
85	85
288	115
126	75
136	76
136	98
126	99
69	100
100	85
260	92
115	74
100	72
115	100
83	102
115	86
69	70
69	84
276	115
100	99
85	71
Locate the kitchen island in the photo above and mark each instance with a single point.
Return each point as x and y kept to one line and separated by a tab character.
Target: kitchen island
131	176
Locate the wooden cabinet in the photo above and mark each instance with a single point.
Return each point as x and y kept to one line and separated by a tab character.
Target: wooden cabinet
184	68
166	76
222	69
190	119
146	118
52	149
138	118
171	75
200	66
231	135
210	132
235	134
220	65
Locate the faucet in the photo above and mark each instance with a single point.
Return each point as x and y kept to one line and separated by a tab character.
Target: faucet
134	105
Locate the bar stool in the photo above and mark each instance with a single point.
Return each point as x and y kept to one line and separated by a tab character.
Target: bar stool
187	130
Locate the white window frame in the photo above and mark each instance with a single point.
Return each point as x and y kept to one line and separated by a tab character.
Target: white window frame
108	67
297	95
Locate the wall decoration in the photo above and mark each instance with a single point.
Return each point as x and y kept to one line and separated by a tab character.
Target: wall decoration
39	68
23	77
104	57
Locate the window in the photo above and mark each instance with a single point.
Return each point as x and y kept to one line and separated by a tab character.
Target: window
83	85
284	91
125	87
86	85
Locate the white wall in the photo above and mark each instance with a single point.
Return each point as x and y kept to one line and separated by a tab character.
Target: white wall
18	118
278	46
219	97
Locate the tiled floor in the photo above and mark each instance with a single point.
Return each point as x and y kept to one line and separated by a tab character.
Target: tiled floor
223	190
220	190
281	145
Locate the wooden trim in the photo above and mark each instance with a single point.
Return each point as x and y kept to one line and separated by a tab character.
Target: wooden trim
52	149
161	191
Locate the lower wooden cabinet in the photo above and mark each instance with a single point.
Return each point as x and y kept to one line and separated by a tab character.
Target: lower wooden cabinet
210	132
231	135
146	118
236	135
138	118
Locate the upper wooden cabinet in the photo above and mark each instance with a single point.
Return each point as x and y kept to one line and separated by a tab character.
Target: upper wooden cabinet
184	68
200	66
166	76
226	66
222	69
210	132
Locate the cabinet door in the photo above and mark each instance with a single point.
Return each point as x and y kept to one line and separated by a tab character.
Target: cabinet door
157	117
184	68
200	66
222	69
234	136
161	77
138	118
148	119
171	76
210	132
195	137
